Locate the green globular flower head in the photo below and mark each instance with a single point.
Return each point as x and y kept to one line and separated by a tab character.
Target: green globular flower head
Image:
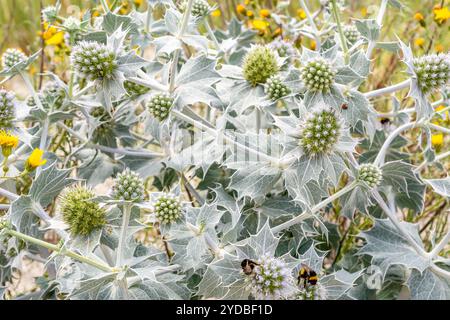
275	88
167	208
79	211
433	71
93	60
260	64
270	279
134	89
318	75
6	108
159	106
320	132
351	33
11	57
370	174
128	186
200	8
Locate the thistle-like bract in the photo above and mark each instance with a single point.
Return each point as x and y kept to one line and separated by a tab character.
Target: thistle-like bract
159	106
79	211
318	74
128	186
50	14
11	57
320	132
260	64
6	108
351	33
134	89
275	88
270	280
284	48
167	208
93	60
433	71
200	8
370	174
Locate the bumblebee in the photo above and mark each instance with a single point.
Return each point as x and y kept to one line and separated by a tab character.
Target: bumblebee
385	121
248	266
308	275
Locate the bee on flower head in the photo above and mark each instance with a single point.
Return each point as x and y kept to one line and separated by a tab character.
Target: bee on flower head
248	266
308	276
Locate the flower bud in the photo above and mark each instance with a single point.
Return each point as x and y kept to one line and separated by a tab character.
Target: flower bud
93	60
159	106
6	108
351	33
128	186
11	57
433	71
370	174
167	209
275	88
318	75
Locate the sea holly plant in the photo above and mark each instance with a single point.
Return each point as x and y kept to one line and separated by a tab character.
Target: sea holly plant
176	157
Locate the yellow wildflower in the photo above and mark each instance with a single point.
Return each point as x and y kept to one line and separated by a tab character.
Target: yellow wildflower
137	3
216	13
364	12
447	113
259	25
124	8
437	139
264	13
313	45
8	142
250	13
441	15
35	160
418	16
419	42
439	48
240	8
301	14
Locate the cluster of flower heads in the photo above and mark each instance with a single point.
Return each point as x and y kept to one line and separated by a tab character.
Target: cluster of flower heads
318	74
11	57
93	60
433	71
6	108
259	64
200	8
351	33
82	215
128	186
320	132
275	88
159	106
167	208
271	279
370	174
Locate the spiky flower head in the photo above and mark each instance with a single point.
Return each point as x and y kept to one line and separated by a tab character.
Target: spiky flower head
6	108
200	8
159	106
270	280
433	71
259	64
351	33
370	174
50	14
320	132
284	48
134	89
11	57
316	292
128	186
81	213
318	74
93	60
275	88
167	208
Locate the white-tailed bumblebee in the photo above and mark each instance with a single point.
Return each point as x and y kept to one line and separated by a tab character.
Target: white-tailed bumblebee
308	275
248	266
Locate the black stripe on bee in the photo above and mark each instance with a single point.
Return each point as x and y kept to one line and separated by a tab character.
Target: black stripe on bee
247	266
307	275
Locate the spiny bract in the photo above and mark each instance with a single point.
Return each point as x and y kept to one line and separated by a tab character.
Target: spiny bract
11	57
6	108
93	60
284	48
159	106
270	279
167	208
318	75
79	211
260	64
320	132
433	71
128	186
370	174
275	88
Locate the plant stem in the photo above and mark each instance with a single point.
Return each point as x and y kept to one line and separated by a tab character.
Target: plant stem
341	32
105	6
314	209
438	128
440	245
388	90
149	83
126	213
380	16
438	157
60	250
7	194
211	34
312	24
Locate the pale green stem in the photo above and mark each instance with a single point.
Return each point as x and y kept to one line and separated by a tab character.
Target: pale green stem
388	90
211	34
341	32
105	6
438	157
126	213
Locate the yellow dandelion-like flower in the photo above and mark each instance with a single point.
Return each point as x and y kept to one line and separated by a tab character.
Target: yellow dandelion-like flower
240	8
56	39
8	142
216	13
301	14
313	45
441	15
137	3
250	13
419	42
35	160
437	139
259	25
364	11
418	16
439	48
264	13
